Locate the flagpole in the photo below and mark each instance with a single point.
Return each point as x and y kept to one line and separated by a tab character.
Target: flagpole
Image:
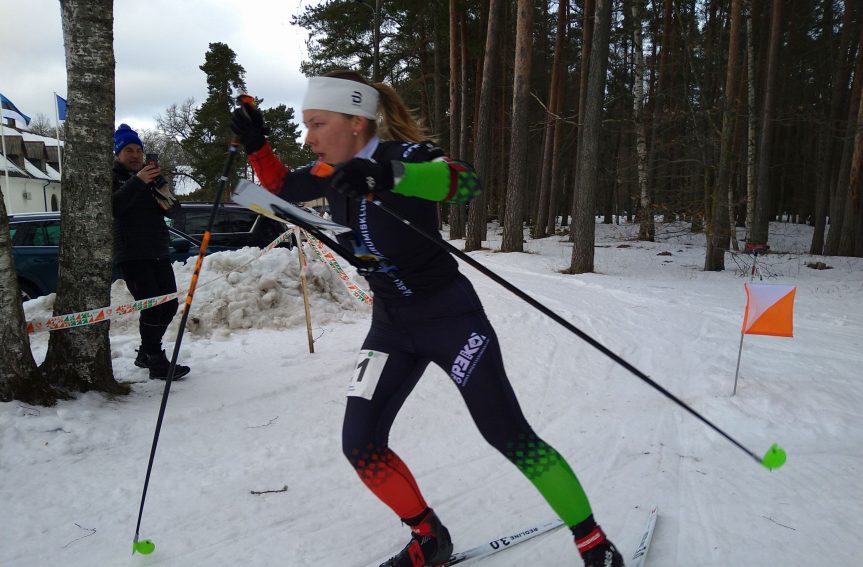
57	131
6	194
743	331
737	372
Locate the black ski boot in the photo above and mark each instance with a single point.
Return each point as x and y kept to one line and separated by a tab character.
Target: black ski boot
159	366
597	551
430	544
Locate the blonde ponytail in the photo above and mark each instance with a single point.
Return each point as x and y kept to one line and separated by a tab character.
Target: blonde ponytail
397	123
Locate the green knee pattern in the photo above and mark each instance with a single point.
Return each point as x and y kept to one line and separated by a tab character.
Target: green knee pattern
552	476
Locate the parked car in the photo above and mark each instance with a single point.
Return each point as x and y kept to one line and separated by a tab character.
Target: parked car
36	238
234	226
36	248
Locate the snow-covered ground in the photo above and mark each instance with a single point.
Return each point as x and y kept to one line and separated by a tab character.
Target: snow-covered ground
260	413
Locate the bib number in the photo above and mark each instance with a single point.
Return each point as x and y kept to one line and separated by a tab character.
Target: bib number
370	366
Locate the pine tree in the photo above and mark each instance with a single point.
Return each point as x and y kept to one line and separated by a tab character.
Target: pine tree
210	135
283	136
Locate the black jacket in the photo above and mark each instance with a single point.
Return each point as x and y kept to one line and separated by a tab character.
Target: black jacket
421	267
140	232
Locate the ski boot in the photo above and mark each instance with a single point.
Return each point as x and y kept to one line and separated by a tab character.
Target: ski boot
597	551
430	544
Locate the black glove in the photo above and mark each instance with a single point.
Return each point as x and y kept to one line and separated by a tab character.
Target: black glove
359	177
247	123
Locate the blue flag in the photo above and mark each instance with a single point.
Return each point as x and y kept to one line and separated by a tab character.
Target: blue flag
61	107
11	111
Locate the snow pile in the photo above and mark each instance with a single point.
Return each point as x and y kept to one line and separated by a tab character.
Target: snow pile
243	289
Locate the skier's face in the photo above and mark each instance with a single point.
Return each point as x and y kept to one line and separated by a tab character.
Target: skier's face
132	157
333	137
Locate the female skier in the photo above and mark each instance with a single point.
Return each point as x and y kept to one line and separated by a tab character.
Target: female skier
424	311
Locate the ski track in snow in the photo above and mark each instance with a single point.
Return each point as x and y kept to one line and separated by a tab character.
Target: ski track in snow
259	413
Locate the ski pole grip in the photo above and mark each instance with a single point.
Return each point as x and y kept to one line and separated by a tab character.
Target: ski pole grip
242	99
246	99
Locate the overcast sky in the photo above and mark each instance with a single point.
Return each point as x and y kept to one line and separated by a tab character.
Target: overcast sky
158	47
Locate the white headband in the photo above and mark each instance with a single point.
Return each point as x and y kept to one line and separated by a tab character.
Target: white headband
341	95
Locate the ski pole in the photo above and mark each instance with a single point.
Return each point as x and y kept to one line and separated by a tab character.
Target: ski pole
773	459
146	546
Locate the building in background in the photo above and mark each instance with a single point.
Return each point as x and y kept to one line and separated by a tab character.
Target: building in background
33	165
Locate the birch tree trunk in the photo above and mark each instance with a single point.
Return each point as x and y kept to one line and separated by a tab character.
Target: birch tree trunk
587	173
483	146
513	220
79	359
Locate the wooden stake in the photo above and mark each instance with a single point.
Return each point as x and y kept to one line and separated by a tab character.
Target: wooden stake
301	256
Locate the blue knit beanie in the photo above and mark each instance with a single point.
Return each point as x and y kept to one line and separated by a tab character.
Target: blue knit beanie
125	136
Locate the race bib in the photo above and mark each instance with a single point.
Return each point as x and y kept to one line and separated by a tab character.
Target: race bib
370	365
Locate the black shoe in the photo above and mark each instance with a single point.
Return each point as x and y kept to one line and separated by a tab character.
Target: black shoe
597	551
142	360
430	545
159	366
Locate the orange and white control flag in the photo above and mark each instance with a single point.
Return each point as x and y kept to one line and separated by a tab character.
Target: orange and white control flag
769	309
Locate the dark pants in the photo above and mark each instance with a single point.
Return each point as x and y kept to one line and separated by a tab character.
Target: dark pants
151	278
451	330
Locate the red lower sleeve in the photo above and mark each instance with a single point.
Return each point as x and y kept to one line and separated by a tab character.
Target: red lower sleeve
270	171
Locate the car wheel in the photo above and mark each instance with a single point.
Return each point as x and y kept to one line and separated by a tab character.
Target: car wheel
28	291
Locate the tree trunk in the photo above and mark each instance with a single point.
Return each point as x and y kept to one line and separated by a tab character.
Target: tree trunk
720	231
453	80
586	45
513	220
646	229
848	234
587	173
79	359
544	210
558	173
437	83
840	197
484	144
456	214
763	193
20	378
751	131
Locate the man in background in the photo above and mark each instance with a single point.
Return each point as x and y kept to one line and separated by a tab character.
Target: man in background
141	201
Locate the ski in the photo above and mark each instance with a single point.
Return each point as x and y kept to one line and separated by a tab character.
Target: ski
496	545
644	545
502	543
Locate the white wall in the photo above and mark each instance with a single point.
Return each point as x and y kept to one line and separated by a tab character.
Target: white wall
40	194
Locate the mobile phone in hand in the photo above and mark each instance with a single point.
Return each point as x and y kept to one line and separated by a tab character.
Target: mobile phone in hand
151	159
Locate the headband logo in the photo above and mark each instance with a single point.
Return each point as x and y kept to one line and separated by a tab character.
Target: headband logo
357	98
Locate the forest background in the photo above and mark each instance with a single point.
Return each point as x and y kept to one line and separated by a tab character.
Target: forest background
719	113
